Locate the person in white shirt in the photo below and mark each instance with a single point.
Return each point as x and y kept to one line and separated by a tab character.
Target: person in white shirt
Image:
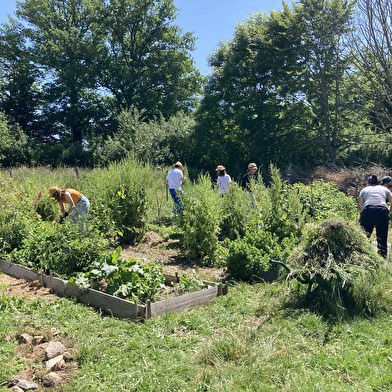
174	180
375	212
223	179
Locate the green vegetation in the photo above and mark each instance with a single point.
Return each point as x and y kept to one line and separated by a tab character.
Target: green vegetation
130	87
260	336
239	231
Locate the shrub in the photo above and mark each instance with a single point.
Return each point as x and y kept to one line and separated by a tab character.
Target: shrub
323	200
65	249
201	217
128	208
45	208
249	257
280	207
237	217
245	261
16	214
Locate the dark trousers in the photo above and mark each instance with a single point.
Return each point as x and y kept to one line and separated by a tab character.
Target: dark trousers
376	217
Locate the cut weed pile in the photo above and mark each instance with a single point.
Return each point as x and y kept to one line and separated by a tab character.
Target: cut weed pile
338	257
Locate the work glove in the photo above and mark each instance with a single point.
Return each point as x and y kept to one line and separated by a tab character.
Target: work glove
62	217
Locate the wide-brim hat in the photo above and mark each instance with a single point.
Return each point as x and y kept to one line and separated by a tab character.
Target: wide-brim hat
53	190
220	168
252	166
178	163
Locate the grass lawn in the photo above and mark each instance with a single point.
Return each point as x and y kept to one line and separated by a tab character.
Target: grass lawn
259	337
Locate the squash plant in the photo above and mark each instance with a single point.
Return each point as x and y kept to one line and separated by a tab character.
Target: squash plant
124	278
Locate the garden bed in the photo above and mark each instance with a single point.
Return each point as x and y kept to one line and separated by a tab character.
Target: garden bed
118	307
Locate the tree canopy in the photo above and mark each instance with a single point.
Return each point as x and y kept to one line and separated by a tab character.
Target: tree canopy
89	81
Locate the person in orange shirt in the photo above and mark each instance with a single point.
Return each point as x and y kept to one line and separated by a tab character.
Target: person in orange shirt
79	205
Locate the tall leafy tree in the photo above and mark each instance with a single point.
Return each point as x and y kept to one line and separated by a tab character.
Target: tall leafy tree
147	63
63	39
325	57
98	57
251	108
373	59
278	89
21	96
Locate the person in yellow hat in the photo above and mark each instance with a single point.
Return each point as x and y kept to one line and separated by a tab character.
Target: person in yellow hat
223	179
79	205
174	180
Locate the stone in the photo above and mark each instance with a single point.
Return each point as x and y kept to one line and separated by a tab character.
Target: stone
24	384
55	363
38	340
16	389
25	338
54	349
68	357
52	380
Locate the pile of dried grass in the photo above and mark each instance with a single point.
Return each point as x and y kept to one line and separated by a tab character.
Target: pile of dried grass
334	254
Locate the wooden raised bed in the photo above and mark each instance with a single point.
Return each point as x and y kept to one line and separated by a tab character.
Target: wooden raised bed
118	307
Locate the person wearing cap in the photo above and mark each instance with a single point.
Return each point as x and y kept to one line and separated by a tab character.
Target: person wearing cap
387	182
174	179
249	177
223	179
375	212
79	205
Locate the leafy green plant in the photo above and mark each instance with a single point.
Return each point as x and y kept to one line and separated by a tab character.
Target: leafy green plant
237	218
245	261
200	222
323	200
189	284
249	257
45	208
65	249
124	278
128	207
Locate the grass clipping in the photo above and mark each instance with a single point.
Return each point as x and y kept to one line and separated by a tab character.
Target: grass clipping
334	254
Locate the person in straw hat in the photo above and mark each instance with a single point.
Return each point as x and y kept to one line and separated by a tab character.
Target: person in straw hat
249	177
223	179
78	208
174	180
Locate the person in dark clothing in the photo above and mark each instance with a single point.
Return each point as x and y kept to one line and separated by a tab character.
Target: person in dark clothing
249	176
375	212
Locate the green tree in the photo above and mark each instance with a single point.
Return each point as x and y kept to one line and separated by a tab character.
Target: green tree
278	89
158	141
13	144
325	59
20	96
63	39
251	106
147	60
373	54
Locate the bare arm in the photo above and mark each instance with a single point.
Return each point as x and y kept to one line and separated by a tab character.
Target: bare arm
361	202
389	198
71	203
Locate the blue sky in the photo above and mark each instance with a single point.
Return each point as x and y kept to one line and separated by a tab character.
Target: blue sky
210	21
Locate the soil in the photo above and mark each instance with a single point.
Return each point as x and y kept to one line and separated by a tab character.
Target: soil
166	253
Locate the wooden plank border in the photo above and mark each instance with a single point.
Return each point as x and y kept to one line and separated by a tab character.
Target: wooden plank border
118	307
